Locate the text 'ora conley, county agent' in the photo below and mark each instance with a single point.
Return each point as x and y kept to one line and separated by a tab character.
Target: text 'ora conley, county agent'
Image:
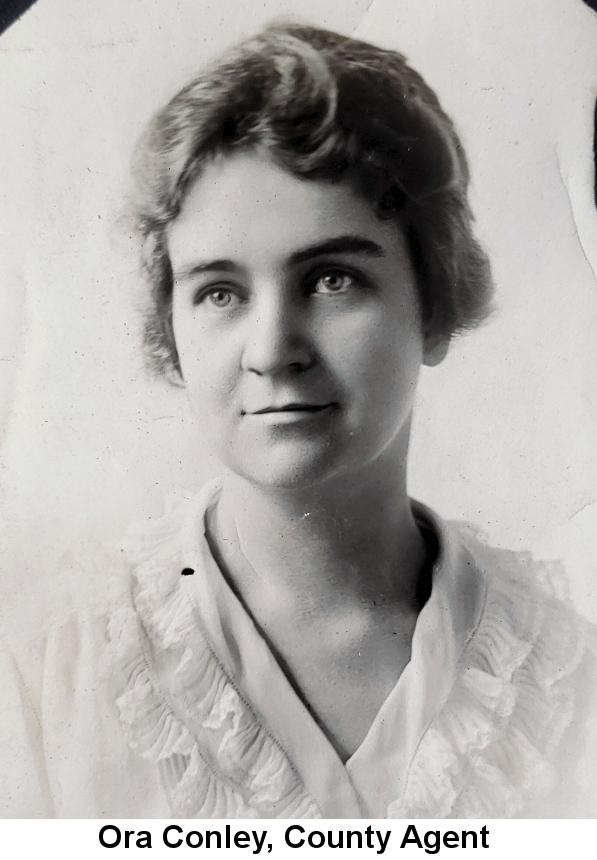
296	836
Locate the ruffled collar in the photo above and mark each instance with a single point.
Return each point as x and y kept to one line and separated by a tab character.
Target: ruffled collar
473	739
491	748
179	706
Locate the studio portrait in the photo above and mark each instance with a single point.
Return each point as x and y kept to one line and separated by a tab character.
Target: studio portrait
299	434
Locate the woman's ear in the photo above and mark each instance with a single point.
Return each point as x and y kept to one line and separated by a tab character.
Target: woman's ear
435	349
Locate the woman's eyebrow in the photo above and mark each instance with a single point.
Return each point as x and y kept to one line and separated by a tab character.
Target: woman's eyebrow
338	245
210	266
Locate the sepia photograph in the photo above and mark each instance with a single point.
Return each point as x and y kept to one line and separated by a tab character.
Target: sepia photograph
298	410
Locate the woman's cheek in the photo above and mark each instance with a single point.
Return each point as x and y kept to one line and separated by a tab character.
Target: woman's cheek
215	377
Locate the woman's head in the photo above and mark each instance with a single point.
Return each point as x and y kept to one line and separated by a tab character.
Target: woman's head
297	324
323	107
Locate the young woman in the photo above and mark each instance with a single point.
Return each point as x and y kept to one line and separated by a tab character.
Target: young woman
301	639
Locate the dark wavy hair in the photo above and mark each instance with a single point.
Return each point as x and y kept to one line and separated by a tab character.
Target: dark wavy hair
323	107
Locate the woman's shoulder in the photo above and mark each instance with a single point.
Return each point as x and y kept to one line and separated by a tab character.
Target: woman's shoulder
54	634
526	591
87	582
528	612
546	579
61	745
529	673
77	589
88	586
516	731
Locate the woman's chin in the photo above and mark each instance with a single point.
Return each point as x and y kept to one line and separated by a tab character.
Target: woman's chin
282	470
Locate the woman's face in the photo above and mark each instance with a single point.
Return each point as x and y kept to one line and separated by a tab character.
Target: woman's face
297	323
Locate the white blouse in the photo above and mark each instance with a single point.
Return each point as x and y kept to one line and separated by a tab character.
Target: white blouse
163	699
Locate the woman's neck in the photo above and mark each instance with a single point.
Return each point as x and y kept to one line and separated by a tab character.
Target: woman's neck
352	541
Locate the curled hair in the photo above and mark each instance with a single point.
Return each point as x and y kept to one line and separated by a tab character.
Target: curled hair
323	107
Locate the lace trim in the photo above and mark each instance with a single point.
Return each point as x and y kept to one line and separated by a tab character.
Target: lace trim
488	750
216	759
485	753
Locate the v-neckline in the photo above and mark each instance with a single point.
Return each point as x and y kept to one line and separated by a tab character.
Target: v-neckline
376	772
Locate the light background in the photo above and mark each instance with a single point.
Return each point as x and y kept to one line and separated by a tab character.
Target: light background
506	429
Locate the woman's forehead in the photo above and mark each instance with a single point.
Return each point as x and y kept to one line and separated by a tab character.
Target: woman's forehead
244	205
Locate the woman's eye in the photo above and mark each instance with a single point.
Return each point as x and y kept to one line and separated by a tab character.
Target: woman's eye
217	297
332	283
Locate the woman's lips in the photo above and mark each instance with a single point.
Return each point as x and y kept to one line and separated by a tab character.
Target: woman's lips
291	413
293	407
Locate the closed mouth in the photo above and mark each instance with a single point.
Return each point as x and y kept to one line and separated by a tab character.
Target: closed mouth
294	407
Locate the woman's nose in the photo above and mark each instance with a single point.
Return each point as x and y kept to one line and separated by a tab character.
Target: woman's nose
277	339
